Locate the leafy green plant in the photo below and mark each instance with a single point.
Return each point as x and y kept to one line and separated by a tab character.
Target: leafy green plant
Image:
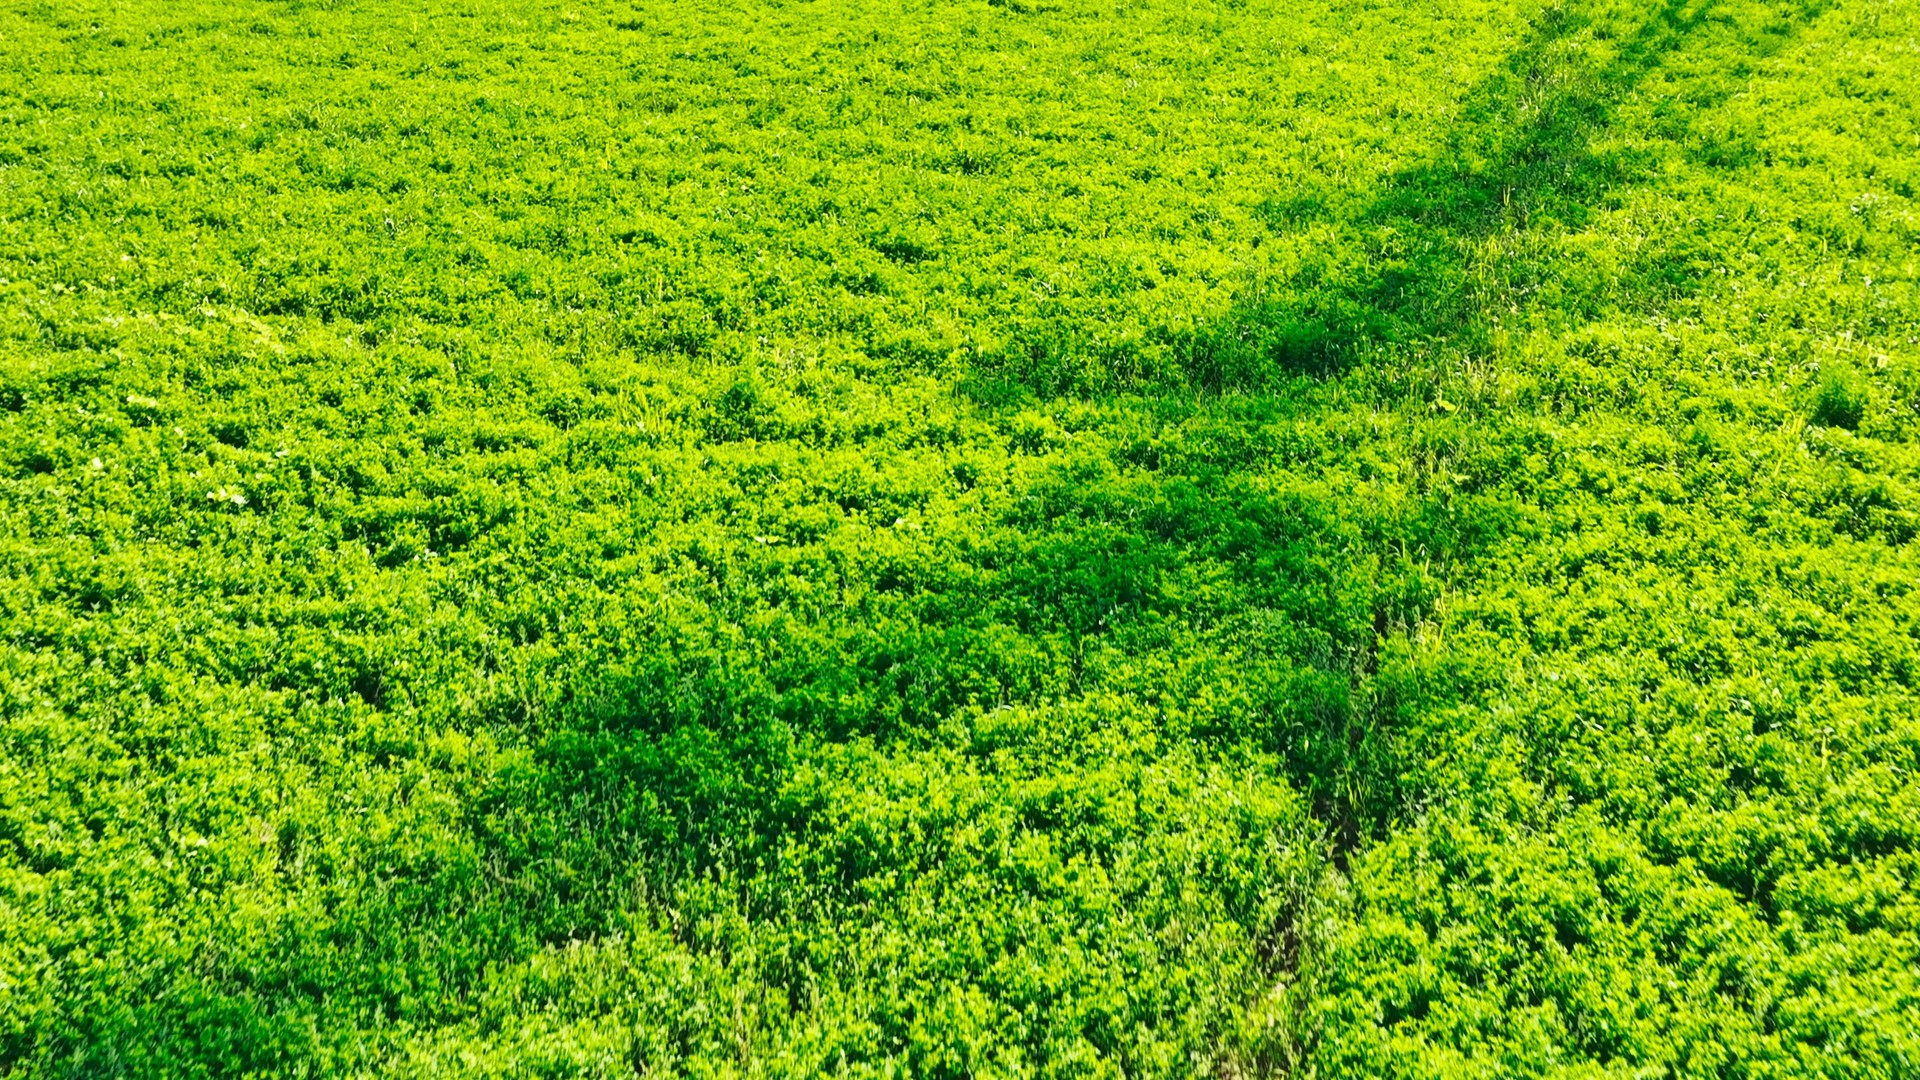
1841	400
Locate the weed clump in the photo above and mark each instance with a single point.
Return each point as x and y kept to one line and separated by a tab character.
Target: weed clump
1841	400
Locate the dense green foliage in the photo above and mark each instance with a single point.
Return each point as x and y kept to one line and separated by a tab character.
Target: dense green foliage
1029	537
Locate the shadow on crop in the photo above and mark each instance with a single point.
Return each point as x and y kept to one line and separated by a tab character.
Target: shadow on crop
1422	268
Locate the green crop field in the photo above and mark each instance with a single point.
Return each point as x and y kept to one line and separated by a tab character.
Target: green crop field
977	538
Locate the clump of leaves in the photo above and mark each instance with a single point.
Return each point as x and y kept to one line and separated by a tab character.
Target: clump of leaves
1841	400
